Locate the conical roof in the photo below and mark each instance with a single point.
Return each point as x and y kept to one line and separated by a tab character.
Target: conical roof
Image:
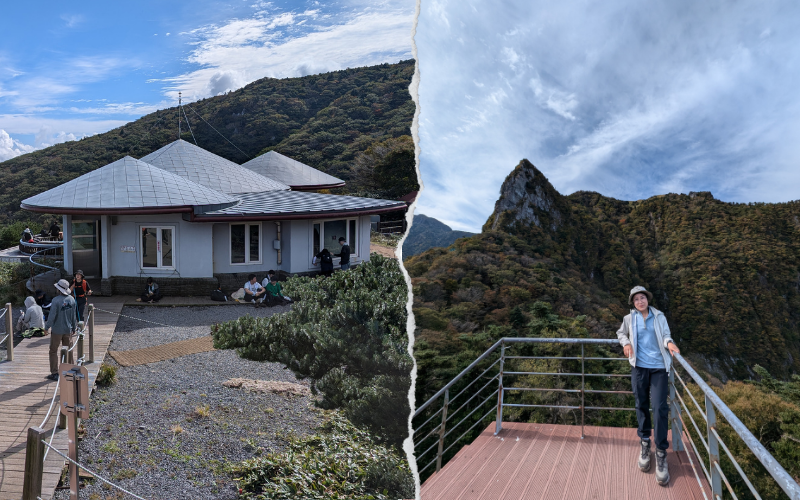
210	170
291	172
126	184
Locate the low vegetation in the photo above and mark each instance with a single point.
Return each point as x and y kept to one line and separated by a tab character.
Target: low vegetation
107	375
339	462
347	333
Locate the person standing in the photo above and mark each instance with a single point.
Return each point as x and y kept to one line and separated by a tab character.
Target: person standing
80	287
344	254
62	324
647	342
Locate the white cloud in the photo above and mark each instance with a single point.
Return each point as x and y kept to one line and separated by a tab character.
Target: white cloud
241	51
72	20
10	148
560	102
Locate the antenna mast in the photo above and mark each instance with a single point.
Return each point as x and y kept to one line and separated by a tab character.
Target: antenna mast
179	114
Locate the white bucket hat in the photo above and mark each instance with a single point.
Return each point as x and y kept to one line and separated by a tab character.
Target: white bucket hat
63	287
640	289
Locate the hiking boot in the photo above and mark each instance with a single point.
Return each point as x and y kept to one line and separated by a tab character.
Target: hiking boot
662	469
644	457
52	376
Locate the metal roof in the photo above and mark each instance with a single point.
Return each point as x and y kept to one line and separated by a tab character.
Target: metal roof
126	184
291	172
210	170
299	203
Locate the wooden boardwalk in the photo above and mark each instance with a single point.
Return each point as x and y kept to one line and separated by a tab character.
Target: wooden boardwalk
552	462
25	397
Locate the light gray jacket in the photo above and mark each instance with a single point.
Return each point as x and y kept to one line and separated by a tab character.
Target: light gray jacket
63	315
33	317
627	335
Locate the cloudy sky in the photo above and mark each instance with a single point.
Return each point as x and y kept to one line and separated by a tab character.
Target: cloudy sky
627	98
71	69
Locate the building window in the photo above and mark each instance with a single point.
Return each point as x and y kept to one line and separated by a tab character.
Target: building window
327	234
158	243
245	243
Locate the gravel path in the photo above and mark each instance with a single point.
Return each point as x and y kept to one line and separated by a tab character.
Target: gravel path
167	429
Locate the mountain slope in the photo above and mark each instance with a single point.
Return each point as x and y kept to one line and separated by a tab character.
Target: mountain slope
324	120
726	275
427	232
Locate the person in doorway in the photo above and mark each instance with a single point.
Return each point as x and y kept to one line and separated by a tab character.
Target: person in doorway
62	324
324	260
344	254
81	289
31	321
647	342
151	292
276	296
253	291
43	301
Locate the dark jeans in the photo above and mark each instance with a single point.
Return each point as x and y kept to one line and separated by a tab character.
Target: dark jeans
652	383
81	303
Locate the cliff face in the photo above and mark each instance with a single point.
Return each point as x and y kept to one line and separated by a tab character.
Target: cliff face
726	275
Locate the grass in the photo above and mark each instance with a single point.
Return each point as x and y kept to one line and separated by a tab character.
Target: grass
106	376
387	240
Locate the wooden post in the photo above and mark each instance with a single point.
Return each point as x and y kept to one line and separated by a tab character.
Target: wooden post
34	464
62	358
10	332
91	333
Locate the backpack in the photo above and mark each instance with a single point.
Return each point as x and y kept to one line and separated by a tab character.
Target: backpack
219	296
326	258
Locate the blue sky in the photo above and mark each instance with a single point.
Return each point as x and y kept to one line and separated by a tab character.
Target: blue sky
71	69
627	98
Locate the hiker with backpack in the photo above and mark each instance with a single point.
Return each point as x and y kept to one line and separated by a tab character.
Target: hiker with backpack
81	289
325	260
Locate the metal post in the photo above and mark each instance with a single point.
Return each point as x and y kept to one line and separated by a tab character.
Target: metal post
34	464
91	333
80	347
583	371
442	429
675	414
10	332
499	421
713	450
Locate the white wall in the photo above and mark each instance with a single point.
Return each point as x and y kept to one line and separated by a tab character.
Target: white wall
193	251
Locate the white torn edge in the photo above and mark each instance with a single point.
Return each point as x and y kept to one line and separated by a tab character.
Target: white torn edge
413	89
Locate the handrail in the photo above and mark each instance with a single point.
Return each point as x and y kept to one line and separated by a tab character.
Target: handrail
783	478
714	405
31	256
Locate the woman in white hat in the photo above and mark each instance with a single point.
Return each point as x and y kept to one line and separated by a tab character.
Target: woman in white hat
62	323
647	342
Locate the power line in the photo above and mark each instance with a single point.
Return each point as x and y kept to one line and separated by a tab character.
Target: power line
188	125
220	133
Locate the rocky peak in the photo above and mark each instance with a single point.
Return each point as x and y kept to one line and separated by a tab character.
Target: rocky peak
526	198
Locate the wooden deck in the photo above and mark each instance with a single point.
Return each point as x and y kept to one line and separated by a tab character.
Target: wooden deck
25	397
548	462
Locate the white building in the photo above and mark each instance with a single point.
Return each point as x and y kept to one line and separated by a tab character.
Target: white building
186	216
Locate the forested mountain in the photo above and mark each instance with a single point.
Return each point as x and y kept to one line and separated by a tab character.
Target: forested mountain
427	232
325	121
726	275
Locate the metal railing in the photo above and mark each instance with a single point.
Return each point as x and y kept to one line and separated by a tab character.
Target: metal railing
446	420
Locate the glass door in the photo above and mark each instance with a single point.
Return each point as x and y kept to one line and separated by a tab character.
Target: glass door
86	247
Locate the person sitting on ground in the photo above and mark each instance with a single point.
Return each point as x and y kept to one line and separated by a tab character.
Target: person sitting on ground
151	292
62	324
266	281
219	295
31	321
43	301
253	291
276	296
344	254
324	260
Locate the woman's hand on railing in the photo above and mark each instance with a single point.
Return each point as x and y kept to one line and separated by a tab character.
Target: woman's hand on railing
673	349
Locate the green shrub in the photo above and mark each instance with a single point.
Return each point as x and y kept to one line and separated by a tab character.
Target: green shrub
340	462
106	376
347	333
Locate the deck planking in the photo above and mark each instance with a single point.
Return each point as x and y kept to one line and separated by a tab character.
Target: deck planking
25	397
